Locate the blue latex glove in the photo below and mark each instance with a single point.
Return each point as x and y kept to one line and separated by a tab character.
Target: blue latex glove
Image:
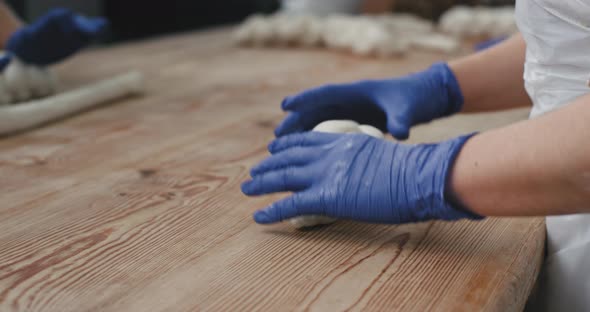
394	105
54	37
357	177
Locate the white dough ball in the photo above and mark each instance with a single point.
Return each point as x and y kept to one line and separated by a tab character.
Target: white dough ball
20	82
505	22
456	21
257	30
484	20
338	126
290	29
372	131
368	38
244	32
263	34
41	81
462	21
391	47
312	35
405	23
436	42
248	32
17	84
243	35
337	29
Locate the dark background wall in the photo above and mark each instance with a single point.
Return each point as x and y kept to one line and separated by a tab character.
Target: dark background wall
139	18
132	19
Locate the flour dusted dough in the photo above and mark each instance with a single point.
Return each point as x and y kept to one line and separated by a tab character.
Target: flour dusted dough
15	75
383	35
41	81
463	21
362	36
436	42
34	113
334	126
338	126
20	82
256	31
372	131
313	32
402	22
290	29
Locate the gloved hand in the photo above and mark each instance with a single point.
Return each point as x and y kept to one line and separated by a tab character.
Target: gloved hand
54	37
357	177
394	104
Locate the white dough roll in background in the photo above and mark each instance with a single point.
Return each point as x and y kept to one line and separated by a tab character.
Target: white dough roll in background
26	115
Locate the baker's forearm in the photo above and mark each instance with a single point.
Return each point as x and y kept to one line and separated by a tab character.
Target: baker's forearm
536	167
493	79
9	23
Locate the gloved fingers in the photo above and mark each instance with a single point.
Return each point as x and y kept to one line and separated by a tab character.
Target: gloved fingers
54	37
306	139
297	122
90	26
294	157
290	179
293	206
328	95
55	15
398	127
291	124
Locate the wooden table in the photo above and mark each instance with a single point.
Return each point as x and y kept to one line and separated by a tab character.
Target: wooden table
137	207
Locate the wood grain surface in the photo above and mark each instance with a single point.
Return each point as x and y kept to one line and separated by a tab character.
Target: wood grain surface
136	206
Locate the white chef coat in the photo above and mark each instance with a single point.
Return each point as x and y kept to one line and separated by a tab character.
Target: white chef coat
557	70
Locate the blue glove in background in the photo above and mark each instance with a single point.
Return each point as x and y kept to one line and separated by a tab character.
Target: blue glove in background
394	105
357	177
54	37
